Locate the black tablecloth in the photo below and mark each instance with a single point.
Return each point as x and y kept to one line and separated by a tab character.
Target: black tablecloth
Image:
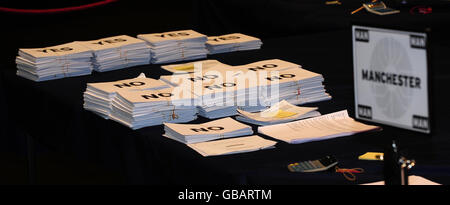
53	113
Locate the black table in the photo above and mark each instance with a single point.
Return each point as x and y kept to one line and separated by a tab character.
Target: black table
52	113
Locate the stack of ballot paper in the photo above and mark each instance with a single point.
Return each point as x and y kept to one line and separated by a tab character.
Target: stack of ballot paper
118	52
324	127
66	60
217	129
232	42
279	113
296	85
137	109
191	67
98	96
176	46
215	96
232	146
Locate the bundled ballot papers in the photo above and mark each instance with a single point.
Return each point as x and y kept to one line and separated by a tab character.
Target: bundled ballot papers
232	146
217	129
66	60
232	42
118	52
137	109
175	46
324	127
98	96
278	113
296	86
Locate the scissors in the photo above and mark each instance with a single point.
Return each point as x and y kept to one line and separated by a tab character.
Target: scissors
349	174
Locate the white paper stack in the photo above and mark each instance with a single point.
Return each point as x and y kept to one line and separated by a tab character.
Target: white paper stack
255	76
324	127
217	129
296	86
118	52
98	96
232	42
66	60
232	146
222	89
137	109
278	113
217	95
176	46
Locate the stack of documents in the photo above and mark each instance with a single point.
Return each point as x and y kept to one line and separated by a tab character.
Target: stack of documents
118	52
217	129
279	113
232	42
324	127
216	96
66	60
98	96
232	146
176	46
297	86
137	109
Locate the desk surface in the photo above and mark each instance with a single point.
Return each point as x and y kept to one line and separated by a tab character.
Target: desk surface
53	113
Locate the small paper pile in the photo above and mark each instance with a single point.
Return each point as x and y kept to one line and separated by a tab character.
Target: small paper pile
98	96
66	60
278	113
137	109
217	129
118	52
232	42
176	46
232	146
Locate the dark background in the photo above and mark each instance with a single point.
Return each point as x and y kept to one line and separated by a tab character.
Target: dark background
266	19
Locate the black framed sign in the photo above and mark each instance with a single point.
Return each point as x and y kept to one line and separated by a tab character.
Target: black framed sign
391	77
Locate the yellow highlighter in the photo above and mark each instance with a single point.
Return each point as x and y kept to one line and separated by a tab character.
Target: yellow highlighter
184	67
378	156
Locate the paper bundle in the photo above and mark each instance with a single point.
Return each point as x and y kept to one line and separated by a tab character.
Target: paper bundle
324	127
232	42
296	86
232	146
98	96
217	129
175	46
66	60
137	109
278	113
118	52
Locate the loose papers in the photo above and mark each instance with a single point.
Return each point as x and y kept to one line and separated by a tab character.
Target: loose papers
175	46
232	42
217	129
137	109
118	52
66	60
278	113
98	96
232	146
328	126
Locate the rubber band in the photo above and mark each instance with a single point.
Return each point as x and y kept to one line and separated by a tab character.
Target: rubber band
349	174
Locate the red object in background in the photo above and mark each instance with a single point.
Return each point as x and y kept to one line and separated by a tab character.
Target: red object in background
421	10
57	10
